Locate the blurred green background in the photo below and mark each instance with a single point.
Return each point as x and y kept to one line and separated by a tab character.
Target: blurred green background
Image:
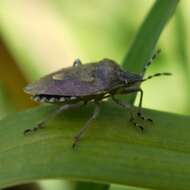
38	37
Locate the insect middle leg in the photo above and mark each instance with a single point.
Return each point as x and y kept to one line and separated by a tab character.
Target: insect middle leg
82	131
51	116
128	107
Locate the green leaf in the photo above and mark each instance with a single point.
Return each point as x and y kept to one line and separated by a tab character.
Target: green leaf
112	151
144	44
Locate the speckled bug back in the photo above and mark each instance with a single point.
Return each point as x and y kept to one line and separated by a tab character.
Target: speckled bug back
82	80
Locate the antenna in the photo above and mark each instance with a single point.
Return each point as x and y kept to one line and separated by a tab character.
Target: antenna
151	60
156	75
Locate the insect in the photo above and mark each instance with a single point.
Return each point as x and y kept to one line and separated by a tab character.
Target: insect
80	84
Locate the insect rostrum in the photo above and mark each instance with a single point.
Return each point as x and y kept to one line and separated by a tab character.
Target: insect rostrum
83	83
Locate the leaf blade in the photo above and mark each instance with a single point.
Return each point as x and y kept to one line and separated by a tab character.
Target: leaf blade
113	154
143	45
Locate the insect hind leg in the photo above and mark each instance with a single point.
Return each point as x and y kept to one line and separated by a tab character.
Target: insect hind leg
42	124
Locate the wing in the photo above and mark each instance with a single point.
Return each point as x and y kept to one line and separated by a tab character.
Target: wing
84	80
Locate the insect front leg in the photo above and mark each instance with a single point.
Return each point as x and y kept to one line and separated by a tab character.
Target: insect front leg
51	116
82	131
139	113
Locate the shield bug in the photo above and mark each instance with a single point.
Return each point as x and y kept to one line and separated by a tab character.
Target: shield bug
92	82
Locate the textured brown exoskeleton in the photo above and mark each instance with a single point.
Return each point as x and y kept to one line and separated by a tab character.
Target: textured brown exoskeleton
82	83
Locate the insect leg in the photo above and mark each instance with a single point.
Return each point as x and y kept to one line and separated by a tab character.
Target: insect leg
139	113
51	116
128	107
124	105
82	131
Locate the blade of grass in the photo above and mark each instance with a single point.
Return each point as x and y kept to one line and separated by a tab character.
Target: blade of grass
144	44
115	153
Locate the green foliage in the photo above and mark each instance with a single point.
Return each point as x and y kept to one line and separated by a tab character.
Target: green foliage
144	44
112	151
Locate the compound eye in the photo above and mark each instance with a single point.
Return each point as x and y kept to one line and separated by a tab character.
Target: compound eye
77	63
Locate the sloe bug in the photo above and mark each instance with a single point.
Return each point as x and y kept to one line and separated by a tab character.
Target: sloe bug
83	83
